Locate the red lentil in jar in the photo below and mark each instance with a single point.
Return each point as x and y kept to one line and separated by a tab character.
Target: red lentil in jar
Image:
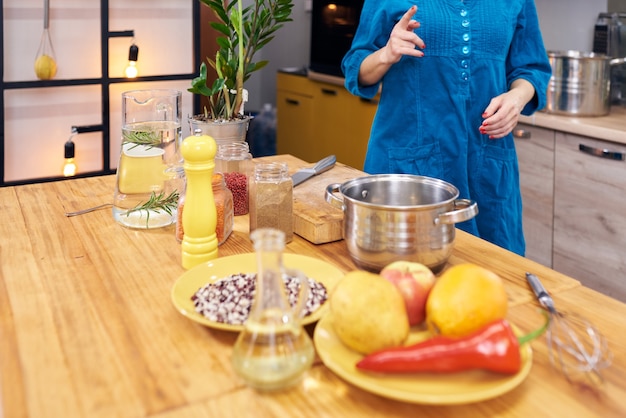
233	160
238	185
223	207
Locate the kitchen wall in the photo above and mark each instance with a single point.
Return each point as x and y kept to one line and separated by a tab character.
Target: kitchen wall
568	24
290	48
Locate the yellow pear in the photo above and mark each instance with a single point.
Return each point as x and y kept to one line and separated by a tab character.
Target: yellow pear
368	312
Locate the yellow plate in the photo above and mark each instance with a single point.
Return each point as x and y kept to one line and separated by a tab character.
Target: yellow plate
210	272
422	388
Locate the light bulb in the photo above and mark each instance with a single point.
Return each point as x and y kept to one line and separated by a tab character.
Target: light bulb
69	168
131	69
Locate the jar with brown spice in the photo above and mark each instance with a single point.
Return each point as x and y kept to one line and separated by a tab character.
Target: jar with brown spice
224	207
271	198
233	160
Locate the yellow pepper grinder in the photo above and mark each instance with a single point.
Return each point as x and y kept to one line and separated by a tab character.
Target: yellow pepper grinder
199	215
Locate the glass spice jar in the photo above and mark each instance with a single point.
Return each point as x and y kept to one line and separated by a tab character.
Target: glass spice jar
224	208
233	159
271	198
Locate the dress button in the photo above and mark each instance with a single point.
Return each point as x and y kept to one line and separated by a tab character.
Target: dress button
465	23
464	76
463	13
466	37
465	50
464	64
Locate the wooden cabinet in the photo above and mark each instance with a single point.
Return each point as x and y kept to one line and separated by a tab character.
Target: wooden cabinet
590	212
535	150
574	194
315	119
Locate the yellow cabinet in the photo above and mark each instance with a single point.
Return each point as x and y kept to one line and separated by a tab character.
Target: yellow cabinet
294	120
315	119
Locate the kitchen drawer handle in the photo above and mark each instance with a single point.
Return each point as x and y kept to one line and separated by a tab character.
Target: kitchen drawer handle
293	102
521	133
602	153
369	101
330	92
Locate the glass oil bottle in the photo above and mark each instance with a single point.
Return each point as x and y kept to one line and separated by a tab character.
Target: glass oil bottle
273	351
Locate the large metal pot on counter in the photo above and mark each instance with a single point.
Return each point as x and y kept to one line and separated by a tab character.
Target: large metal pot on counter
390	217
580	83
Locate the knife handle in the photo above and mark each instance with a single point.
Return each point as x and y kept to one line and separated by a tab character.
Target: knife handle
325	164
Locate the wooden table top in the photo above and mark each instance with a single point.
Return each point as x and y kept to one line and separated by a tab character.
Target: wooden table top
88	329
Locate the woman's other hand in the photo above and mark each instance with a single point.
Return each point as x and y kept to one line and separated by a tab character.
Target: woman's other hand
502	114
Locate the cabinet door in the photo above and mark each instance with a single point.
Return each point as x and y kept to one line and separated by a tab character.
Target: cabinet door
535	151
590	213
332	130
294	127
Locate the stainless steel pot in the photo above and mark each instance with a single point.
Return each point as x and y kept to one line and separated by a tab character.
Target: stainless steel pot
391	217
580	83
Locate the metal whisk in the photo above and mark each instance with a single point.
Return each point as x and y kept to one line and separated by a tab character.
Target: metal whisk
575	344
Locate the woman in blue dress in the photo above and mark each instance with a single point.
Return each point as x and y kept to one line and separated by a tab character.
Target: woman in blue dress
454	77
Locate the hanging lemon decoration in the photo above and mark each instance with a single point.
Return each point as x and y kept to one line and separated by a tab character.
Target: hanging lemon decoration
45	67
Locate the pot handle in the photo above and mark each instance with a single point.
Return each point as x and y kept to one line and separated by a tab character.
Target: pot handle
331	198
617	61
464	209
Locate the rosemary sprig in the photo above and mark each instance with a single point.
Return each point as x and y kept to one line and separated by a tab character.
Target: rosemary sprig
157	203
149	139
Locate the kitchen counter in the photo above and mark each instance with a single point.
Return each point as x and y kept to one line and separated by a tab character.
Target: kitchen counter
88	328
610	128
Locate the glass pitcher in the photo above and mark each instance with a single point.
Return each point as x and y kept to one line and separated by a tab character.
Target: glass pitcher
273	351
148	184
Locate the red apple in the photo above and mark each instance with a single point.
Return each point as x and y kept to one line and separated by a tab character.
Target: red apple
414	281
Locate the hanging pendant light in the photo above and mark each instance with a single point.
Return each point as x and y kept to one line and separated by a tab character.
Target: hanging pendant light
69	168
131	68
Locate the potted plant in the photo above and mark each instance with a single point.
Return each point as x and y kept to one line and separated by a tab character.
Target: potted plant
243	31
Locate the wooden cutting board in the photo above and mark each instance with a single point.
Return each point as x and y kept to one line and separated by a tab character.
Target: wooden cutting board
315	219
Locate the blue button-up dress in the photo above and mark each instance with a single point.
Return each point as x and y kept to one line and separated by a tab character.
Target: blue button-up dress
430	108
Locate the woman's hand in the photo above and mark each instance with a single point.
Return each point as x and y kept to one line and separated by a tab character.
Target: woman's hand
502	114
402	41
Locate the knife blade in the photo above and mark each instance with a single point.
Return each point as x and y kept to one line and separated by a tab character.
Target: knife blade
321	166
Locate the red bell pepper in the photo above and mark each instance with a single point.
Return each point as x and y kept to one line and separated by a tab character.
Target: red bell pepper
493	347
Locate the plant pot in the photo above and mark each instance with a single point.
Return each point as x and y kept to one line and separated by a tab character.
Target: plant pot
223	131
